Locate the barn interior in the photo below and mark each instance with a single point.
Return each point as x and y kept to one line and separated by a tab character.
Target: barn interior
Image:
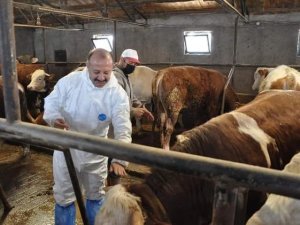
237	36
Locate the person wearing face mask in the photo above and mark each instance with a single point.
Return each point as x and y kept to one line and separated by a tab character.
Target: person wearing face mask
125	66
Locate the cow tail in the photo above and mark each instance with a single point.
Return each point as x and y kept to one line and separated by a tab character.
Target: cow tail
154	100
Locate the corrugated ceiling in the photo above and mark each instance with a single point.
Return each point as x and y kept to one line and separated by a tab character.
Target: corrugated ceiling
66	12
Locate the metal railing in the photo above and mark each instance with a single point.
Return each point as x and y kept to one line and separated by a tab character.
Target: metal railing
227	175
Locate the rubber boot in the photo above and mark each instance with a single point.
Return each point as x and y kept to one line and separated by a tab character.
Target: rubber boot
65	215
92	208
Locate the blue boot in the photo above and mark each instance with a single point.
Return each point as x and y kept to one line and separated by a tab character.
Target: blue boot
65	215
92	208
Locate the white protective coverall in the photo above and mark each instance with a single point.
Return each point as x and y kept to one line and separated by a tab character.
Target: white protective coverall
90	110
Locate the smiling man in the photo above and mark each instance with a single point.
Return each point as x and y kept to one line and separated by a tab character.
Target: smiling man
87	101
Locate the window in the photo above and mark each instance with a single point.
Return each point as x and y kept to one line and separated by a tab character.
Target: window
298	45
197	42
103	41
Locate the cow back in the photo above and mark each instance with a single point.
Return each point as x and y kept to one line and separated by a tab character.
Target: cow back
232	136
197	89
282	77
141	80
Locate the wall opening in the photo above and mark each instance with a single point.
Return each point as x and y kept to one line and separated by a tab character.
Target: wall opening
197	42
103	41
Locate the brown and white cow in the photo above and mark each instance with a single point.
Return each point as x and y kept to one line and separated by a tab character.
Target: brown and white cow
141	80
24	72
280	210
25	114
259	75
265	132
38	81
280	77
195	90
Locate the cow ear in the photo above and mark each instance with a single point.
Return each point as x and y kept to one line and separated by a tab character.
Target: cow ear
265	72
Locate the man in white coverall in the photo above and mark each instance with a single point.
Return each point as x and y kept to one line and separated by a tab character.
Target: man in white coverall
87	101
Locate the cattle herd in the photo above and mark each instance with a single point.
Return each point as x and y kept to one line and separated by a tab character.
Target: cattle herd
264	132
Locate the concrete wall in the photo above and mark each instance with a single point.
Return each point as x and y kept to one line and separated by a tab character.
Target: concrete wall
24	41
266	40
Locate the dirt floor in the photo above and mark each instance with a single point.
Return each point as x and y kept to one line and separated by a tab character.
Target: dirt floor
27	182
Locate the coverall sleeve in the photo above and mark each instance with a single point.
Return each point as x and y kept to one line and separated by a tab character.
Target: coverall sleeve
136	103
121	122
53	104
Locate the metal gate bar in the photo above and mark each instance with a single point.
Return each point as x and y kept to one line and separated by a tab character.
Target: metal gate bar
230	173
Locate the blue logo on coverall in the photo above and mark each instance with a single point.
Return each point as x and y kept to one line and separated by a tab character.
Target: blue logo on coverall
102	117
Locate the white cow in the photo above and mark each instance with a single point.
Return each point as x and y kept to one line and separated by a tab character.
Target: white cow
280	77
141	80
259	75
120	207
280	210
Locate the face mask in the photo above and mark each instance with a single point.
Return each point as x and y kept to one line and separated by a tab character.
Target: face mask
128	69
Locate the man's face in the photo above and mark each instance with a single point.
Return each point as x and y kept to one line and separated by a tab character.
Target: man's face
99	70
128	66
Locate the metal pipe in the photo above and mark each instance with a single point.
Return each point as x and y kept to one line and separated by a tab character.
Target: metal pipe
76	185
229	77
8	59
47	27
167	64
225	200
115	42
6	204
68	13
231	7
229	173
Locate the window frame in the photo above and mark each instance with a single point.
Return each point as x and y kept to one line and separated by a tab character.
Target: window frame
103	37
207	34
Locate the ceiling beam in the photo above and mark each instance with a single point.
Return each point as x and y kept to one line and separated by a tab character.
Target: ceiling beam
125	11
124	3
227	5
102	9
72	14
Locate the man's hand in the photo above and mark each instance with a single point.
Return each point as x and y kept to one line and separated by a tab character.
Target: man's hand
142	112
118	169
148	115
61	124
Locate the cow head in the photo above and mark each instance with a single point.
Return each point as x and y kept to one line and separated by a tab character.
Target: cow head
120	208
260	74
38	81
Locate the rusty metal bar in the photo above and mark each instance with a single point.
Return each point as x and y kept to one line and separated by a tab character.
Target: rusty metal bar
8	59
229	173
7	206
229	77
76	185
